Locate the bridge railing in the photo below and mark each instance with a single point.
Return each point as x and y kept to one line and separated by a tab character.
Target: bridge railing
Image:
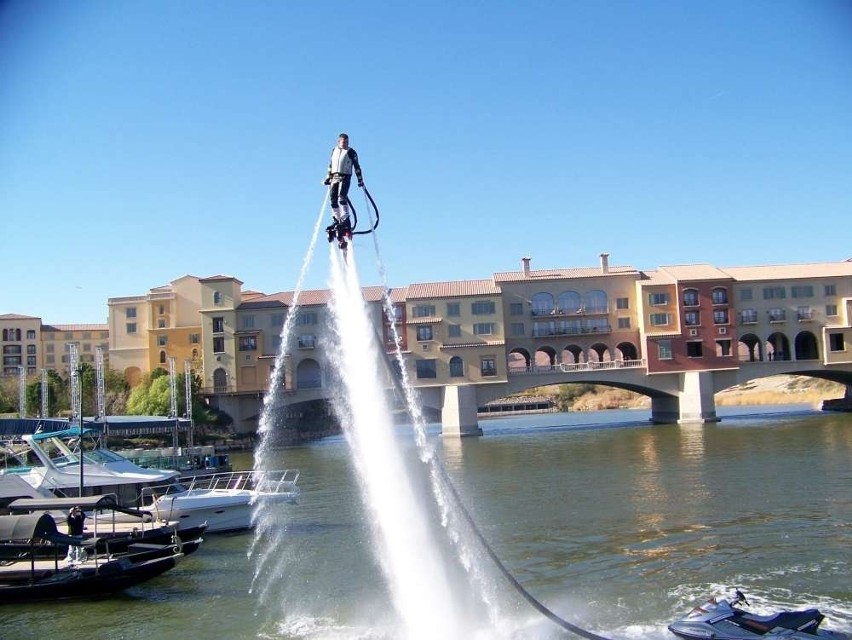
578	366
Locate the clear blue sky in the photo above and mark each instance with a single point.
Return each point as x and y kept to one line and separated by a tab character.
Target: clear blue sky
141	141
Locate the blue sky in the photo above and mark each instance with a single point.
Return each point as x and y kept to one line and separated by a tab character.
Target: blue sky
141	141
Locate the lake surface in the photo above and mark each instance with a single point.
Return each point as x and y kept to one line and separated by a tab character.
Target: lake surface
616	525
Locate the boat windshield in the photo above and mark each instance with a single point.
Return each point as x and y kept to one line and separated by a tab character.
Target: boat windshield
102	456
18	457
58	452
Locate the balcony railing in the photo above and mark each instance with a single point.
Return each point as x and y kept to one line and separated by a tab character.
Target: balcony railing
547	332
578	367
556	312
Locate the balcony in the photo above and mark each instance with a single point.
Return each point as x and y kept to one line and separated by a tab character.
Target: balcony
549	332
778	315
578	367
803	315
567	313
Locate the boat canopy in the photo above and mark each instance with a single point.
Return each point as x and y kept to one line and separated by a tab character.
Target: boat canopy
71	432
24	528
106	502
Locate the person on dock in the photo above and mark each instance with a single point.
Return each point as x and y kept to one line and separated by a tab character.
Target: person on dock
76	523
343	160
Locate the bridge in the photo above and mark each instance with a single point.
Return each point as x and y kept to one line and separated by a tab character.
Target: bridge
680	397
676	397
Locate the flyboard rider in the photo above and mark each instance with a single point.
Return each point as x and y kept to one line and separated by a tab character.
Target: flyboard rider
343	160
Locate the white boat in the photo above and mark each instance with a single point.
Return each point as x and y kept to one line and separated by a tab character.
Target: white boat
50	461
225	501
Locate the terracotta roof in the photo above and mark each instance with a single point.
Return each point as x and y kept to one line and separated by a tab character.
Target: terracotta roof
75	327
220	277
791	271
307	297
559	274
17	316
656	277
684	272
452	289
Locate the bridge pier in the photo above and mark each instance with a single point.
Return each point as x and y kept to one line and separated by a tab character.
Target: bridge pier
697	401
458	412
665	410
694	401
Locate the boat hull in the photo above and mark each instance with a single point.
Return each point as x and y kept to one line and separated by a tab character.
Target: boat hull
84	582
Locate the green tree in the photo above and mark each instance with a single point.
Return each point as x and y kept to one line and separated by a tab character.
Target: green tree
151	397
8	395
57	390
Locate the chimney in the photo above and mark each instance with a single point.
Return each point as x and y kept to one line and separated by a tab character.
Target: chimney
604	263
526	264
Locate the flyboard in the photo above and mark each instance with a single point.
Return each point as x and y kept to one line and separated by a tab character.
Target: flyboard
342	231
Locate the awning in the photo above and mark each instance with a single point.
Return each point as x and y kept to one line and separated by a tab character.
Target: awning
27	527
106	502
63	433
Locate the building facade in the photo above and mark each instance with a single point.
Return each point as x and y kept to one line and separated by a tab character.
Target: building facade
677	318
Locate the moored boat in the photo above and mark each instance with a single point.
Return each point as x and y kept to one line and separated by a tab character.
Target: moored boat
29	573
111	527
225	501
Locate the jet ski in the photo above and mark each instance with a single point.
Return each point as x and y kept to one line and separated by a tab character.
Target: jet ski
720	619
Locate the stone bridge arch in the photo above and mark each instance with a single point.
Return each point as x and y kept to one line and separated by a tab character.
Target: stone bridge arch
806	346
518	359
545	356
308	374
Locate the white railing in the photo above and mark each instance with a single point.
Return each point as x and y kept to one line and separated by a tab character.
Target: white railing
579	366
270	482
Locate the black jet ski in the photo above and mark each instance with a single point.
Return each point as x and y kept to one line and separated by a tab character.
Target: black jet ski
720	619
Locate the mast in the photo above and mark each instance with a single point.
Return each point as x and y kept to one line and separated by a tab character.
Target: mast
44	391
77	401
173	410
187	391
101	394
22	392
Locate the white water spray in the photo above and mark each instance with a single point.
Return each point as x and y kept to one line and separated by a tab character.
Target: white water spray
413	565
425	597
269	531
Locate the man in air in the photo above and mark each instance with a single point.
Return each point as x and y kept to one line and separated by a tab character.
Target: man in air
343	160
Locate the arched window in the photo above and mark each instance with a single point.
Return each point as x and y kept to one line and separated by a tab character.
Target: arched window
542	304
456	367
217	297
570	302
162	357
720	295
690	297
596	302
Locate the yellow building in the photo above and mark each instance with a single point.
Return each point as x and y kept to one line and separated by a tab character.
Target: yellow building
146	330
19	342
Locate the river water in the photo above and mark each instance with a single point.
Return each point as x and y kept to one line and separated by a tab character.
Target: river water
616	525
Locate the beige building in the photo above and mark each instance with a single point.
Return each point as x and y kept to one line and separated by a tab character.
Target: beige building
55	339
26	342
146	330
20	337
683	318
570	316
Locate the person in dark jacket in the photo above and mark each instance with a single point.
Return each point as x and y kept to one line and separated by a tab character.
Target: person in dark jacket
343	161
76	523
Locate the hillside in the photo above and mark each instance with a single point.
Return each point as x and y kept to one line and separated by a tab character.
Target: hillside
772	390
